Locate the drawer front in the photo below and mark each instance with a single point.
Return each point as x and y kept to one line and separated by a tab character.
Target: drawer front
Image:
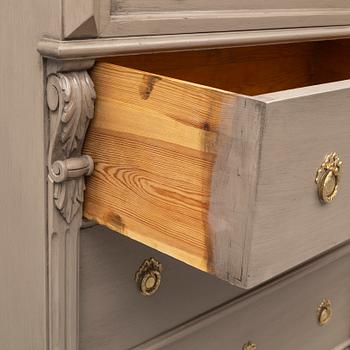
282	316
107	18
113	313
291	223
136	17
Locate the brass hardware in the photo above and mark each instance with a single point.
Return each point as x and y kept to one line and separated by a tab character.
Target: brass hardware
324	312
327	177
249	346
148	276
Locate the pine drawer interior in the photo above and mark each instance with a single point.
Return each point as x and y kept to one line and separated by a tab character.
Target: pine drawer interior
178	141
251	70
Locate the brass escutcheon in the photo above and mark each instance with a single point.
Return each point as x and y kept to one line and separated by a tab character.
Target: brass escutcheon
327	177
324	312
148	276
249	346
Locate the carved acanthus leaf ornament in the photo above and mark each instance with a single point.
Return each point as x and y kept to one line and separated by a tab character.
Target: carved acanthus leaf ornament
70	98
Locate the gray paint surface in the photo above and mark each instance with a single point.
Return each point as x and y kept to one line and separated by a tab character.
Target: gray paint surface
23	317
279	315
285	318
137	17
114	315
168	5
110	18
93	48
22	173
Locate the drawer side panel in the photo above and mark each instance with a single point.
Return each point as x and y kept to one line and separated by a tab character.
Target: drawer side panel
154	141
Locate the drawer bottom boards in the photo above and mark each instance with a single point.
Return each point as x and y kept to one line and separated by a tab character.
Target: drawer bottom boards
281	315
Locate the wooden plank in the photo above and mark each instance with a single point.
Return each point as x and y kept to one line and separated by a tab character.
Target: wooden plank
154	141
251	70
332	60
246	70
158	155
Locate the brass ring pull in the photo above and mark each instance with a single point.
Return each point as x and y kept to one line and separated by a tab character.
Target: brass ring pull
324	312
148	276
327	177
249	346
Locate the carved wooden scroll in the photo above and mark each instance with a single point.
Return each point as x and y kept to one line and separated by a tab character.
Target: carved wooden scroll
70	98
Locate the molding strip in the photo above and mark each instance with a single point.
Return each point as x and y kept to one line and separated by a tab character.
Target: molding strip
343	346
94	48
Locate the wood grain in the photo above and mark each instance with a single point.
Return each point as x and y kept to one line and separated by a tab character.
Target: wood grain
156	142
247	70
250	70
332	61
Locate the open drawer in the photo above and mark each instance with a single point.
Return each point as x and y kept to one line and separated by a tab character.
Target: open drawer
212	156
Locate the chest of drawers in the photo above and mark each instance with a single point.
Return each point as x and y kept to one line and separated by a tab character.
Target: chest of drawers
250	96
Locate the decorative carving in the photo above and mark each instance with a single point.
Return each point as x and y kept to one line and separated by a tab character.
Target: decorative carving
70	98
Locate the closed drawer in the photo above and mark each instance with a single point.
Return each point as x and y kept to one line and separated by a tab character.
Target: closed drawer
224	181
114	315
284	315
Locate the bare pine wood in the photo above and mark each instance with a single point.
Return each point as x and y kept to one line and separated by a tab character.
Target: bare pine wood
250	70
157	145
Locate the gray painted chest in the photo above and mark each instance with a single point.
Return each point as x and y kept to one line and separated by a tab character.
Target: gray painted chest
250	96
